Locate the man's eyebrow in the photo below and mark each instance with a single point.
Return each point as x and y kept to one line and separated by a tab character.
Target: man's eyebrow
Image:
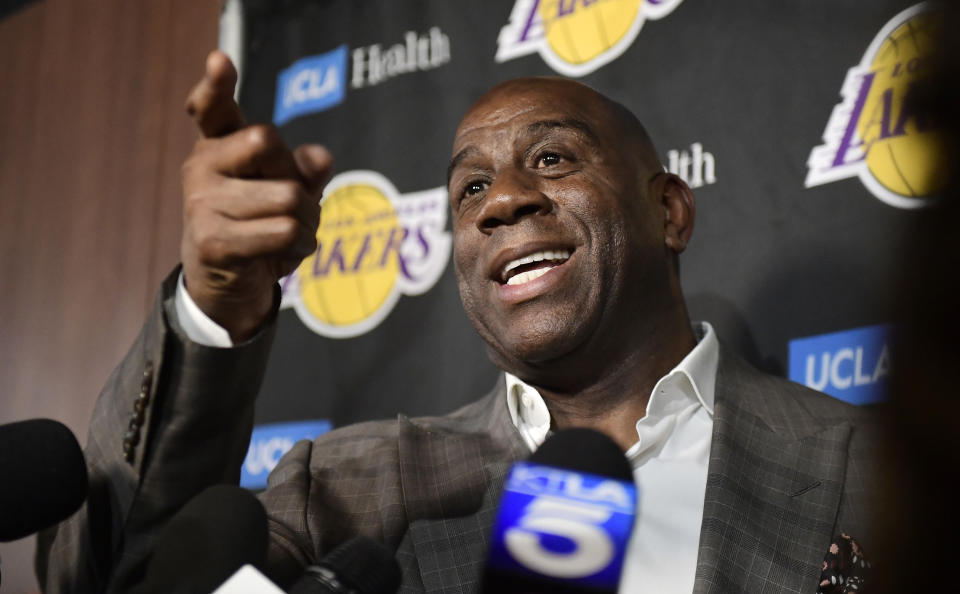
580	125
533	129
463	154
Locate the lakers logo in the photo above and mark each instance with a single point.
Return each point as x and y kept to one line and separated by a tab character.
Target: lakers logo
373	245
576	37
878	133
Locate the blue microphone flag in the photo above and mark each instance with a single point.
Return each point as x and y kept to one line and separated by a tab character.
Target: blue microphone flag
558	525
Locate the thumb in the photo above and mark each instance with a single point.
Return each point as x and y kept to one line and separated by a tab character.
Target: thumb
315	164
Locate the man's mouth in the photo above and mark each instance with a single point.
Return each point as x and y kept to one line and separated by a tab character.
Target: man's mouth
533	266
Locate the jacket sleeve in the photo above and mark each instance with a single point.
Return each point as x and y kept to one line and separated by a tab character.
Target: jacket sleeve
173	419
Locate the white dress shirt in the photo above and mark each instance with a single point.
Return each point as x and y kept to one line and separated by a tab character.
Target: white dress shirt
669	463
669	458
197	325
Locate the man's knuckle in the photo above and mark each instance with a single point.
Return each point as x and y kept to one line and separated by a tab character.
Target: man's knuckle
288	231
288	197
197	201
210	245
262	137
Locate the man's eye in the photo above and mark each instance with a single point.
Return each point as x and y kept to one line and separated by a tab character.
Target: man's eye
548	159
473	188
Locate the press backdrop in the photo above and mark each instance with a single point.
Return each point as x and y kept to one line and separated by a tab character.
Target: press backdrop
793	121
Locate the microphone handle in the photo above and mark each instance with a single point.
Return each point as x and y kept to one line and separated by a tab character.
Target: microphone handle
499	583
317	579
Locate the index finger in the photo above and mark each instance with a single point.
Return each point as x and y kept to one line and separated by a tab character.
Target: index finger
211	102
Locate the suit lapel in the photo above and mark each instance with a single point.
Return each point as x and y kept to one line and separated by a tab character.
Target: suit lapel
452	474
773	488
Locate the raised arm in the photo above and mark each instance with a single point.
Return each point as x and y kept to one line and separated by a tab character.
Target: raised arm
175	416
251	206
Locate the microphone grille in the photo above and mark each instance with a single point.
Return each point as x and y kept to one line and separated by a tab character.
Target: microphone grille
206	541
364	565
44	474
584	450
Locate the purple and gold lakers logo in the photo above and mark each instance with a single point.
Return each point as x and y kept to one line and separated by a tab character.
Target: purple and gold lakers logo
878	132
576	37
373	245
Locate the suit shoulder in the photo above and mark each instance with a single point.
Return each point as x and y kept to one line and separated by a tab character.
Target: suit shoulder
378	437
785	405
820	405
368	438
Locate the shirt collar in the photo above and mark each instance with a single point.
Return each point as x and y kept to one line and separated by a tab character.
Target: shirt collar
530	415
700	365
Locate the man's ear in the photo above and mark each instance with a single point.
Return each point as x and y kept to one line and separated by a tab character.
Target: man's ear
679	210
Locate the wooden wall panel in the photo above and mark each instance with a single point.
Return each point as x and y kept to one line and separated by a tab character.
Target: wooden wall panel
92	134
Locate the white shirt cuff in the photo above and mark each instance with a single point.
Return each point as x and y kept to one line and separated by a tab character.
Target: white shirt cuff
197	325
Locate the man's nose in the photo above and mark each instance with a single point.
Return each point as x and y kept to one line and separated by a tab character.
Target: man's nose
509	198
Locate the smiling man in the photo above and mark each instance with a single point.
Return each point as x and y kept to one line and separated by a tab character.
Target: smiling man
566	232
566	238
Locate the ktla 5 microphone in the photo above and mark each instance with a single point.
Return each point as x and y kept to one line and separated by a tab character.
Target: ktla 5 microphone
214	534
565	518
44	476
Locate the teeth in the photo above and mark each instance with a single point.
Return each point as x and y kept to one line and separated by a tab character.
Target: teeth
537	257
526	277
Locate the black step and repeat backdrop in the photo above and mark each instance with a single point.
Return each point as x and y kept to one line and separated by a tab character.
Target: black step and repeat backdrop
793	121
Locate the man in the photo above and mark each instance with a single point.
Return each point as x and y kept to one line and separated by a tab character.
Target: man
566	237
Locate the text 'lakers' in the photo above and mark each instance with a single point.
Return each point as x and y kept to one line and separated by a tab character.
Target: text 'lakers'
373	245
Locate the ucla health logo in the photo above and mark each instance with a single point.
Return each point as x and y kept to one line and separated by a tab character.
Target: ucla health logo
373	245
317	83
877	133
696	166
576	37
269	443
311	84
852	365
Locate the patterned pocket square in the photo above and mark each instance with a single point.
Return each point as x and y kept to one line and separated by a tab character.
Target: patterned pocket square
845	570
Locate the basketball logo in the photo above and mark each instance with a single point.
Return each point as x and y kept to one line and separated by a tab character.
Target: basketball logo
579	36
878	133
373	245
576	37
344	282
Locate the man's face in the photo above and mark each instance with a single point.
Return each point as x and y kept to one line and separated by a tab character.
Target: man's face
557	243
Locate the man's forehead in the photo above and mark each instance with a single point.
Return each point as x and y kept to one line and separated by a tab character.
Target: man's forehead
531	99
518	104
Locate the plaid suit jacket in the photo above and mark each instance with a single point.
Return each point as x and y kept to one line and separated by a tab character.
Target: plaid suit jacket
788	470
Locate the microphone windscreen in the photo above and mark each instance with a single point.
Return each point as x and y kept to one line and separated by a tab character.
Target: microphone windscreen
204	543
584	450
364	565
565	518
44	476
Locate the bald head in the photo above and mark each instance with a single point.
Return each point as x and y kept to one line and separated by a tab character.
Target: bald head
516	96
565	227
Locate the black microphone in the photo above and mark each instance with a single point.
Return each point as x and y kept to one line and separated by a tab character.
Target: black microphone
565	518
584	450
204	543
44	476
360	565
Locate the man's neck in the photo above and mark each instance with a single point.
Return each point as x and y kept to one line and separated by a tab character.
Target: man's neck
618	397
